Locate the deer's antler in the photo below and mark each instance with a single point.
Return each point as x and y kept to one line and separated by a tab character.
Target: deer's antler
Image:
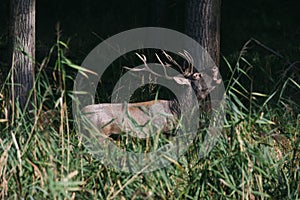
146	68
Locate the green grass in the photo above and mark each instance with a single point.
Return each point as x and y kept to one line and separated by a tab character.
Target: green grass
257	156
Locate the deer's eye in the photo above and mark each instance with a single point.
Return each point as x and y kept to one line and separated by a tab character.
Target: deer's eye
215	68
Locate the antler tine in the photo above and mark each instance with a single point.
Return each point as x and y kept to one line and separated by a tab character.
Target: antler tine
142	57
146	68
164	66
173	61
189	70
191	60
189	57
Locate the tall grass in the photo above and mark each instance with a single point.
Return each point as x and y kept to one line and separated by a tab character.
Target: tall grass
257	157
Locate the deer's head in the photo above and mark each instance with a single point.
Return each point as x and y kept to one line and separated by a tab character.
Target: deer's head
202	82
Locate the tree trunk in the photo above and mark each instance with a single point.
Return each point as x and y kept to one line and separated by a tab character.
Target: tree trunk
22	48
203	25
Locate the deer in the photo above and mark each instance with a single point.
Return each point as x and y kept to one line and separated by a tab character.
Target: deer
142	119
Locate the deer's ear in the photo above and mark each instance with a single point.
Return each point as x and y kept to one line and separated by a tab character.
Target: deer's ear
181	80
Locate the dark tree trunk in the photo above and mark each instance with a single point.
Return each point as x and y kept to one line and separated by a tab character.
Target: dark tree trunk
22	48
203	25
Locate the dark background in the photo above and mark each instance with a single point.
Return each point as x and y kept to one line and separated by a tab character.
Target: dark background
85	23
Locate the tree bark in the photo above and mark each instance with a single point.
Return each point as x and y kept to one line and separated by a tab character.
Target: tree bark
203	25
22	49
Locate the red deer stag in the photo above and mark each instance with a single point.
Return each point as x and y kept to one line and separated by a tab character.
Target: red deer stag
144	118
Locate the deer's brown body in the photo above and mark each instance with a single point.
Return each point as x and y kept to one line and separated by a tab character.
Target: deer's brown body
137	118
144	118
